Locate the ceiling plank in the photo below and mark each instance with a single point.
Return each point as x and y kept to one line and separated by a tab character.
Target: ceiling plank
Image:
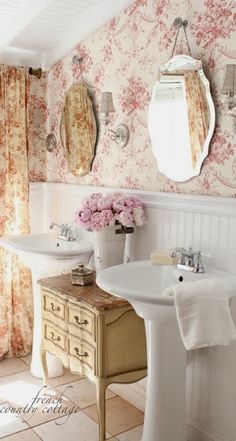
38	33
21	17
79	33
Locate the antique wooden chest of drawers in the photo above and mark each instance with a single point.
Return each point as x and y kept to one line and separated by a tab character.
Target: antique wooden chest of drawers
92	333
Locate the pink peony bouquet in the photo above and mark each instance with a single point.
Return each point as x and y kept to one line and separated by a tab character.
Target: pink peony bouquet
99	211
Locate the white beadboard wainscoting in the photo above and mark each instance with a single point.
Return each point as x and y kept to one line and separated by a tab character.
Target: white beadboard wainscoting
206	223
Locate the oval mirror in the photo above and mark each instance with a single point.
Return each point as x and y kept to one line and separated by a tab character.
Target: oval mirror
181	118
78	129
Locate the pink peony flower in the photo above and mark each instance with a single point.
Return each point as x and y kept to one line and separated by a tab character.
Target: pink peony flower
91	201
96	222
125	218
121	204
105	203
82	217
101	220
136	203
107	217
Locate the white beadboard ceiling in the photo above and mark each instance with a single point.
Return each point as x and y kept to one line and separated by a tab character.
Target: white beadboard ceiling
38	33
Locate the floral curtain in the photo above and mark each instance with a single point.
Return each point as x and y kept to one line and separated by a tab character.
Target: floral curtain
198	114
15	279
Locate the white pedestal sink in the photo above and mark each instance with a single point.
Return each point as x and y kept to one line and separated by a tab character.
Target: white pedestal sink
45	255
143	285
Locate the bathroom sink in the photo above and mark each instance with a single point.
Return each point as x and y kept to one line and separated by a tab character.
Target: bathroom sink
145	286
144	282
46	245
46	255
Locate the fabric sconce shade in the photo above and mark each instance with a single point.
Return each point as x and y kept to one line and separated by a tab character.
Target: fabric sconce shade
121	134
107	106
229	86
229	89
107	103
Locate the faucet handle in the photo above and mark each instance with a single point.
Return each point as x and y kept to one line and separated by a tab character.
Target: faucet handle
69	232
177	251
198	266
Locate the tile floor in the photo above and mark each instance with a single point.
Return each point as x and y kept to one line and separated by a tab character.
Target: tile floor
66	410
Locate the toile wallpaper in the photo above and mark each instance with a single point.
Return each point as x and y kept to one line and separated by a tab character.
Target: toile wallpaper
123	57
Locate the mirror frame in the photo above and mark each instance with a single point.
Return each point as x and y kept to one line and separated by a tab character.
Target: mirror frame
76	167
174	66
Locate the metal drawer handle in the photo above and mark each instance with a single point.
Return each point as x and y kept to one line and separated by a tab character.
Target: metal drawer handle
55	338
84	322
85	354
57	309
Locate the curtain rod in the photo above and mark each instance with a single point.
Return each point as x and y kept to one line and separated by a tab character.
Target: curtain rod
31	71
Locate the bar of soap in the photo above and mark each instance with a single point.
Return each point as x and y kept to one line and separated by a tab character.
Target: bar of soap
161	258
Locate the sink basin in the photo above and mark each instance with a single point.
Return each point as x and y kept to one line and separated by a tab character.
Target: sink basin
145	286
45	245
144	282
46	255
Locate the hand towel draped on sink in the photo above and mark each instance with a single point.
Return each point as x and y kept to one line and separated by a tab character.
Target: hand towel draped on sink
203	313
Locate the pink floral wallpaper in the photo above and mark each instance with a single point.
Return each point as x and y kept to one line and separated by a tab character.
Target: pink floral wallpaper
38	113
123	57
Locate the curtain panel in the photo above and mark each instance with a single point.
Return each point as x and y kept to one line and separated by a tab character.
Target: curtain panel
15	279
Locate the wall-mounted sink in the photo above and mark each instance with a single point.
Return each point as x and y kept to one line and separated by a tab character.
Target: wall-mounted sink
46	255
145	285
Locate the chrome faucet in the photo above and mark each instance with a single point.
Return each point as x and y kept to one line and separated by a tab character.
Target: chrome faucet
66	231
188	260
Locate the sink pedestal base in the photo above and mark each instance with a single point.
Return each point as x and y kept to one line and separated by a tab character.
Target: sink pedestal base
165	411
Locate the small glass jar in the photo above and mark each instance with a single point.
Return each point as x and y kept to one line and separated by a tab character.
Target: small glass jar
81	275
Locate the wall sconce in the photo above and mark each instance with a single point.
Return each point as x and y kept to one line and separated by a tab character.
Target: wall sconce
229	89
121	134
36	123
50	142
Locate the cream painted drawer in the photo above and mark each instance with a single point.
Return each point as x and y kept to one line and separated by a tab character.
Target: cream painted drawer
54	337
54	309
82	356
54	306
82	322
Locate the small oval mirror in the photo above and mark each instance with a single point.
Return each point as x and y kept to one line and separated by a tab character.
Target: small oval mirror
78	129
181	118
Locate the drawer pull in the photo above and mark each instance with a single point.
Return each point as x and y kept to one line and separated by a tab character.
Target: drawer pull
84	322
55	338
57	309
85	354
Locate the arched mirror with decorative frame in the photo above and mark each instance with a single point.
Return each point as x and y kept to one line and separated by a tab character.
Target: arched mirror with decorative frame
181	118
78	129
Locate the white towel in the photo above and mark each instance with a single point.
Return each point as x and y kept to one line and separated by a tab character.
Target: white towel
203	313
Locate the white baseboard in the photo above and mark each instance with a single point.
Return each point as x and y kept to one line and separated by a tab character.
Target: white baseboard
197	433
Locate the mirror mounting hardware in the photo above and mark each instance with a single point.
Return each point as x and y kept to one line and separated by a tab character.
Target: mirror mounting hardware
178	24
